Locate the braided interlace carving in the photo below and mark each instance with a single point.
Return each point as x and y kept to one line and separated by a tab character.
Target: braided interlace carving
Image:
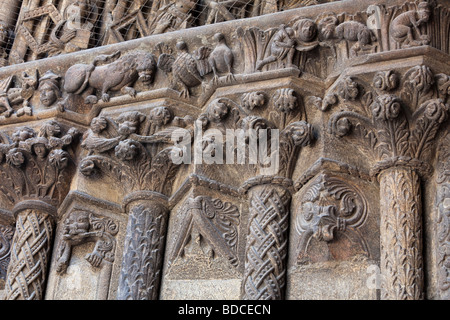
29	256
267	244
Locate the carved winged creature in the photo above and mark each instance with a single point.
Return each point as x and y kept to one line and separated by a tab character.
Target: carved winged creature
187	69
221	59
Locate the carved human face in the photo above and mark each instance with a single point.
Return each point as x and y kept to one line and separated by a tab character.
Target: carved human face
161	115
98	124
48	95
307	31
217	111
424	14
77	223
40	150
146	76
53	130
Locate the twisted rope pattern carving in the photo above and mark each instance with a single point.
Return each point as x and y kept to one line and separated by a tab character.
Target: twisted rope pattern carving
266	251
29	256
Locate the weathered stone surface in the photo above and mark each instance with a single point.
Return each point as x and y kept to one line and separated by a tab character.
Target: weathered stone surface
299	155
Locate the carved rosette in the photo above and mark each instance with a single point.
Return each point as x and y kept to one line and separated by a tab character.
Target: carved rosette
401	143
266	249
144	246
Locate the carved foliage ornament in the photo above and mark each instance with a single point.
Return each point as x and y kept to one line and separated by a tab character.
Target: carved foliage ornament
33	164
393	135
117	149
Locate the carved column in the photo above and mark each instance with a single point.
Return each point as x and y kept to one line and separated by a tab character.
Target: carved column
401	234
38	170
269	206
144	246
266	249
401	143
30	251
8	14
145	172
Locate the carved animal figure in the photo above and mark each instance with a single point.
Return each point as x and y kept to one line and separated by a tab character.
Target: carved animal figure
401	28
221	58
187	69
117	74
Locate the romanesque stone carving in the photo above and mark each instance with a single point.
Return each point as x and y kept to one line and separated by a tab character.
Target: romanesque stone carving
81	227
110	73
35	167
6	235
72	33
144	247
212	225
187	69
402	147
265	269
443	219
49	88
12	96
330	205
404	29
221	59
5	35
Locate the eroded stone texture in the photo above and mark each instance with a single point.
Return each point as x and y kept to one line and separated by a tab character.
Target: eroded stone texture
300	155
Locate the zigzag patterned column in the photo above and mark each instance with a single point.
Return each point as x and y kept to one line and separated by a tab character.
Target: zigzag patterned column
266	251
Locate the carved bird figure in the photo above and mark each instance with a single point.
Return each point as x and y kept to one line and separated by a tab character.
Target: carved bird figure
221	59
187	69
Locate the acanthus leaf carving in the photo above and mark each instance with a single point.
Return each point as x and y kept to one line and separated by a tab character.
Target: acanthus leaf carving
117	149
34	163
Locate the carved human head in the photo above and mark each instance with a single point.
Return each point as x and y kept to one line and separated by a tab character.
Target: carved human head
305	29
98	124
50	129
327	27
146	67
129	122
217	110
161	115
38	147
49	88
76	223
